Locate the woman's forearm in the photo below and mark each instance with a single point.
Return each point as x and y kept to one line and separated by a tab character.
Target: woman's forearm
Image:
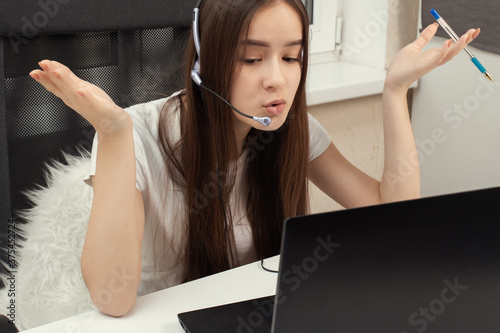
401	177
111	257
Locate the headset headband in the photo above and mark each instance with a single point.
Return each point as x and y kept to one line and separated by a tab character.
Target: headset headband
195	72
196	27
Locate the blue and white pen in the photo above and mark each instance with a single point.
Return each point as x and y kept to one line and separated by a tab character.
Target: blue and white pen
454	36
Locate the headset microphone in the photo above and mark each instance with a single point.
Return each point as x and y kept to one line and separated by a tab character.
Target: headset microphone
195	72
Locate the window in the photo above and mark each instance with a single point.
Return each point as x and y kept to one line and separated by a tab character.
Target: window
347	51
323	17
309	6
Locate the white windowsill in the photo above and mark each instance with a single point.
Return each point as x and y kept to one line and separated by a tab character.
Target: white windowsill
336	81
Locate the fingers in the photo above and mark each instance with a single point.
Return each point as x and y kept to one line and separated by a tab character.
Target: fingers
426	35
476	33
47	78
473	33
59	80
62	82
61	76
85	98
456	48
44	79
431	30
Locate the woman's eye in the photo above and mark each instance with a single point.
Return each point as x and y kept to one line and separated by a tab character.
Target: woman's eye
251	61
291	60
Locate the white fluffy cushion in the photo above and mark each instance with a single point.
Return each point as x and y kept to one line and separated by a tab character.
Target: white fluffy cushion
49	284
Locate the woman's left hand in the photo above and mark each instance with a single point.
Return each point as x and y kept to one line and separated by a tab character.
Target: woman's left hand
411	62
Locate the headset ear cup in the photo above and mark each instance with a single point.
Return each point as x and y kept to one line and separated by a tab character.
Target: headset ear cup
195	73
195	76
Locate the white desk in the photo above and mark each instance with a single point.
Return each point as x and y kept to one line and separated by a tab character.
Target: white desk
157	312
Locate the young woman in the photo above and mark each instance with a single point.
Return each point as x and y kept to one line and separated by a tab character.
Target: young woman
186	187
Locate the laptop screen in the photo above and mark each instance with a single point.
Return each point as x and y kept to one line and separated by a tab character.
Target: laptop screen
427	265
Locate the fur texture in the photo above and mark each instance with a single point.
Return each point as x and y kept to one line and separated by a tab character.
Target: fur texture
48	284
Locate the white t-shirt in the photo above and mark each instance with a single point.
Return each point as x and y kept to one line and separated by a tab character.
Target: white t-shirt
163	202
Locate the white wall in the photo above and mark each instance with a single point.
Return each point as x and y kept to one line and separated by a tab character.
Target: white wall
456	120
364	33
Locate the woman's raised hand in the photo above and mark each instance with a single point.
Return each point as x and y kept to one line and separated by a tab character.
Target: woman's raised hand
411	62
90	101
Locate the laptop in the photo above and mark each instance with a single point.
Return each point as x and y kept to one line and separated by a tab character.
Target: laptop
425	265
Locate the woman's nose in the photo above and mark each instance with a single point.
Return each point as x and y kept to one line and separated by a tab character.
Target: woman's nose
273	76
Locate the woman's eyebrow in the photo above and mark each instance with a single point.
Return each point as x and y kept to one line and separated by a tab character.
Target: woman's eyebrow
253	42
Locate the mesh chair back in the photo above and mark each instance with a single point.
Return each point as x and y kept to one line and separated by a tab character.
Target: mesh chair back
133	50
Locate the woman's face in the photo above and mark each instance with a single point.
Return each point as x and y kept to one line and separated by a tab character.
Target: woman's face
270	74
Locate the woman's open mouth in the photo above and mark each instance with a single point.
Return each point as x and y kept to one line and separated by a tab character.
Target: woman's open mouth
275	107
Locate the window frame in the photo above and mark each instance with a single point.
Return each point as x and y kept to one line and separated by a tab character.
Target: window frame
323	31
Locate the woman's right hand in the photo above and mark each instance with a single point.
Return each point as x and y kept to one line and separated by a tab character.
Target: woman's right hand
90	101
116	224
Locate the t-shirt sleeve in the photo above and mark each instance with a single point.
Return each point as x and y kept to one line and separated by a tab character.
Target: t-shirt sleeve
139	156
93	161
148	150
319	138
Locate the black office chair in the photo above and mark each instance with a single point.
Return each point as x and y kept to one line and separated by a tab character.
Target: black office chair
131	49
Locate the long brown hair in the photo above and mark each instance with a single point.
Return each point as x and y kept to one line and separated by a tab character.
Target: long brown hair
202	164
